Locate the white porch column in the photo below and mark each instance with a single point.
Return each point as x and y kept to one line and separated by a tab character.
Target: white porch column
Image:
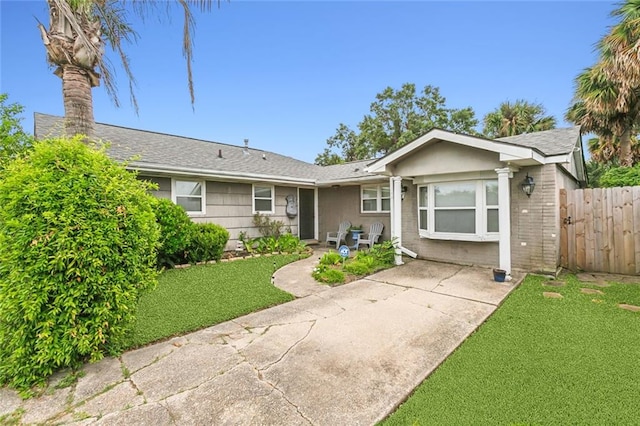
504	217
395	185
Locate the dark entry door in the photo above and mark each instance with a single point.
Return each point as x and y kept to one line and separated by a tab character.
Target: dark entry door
307	214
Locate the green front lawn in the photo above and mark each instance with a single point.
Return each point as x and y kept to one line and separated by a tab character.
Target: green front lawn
540	361
200	296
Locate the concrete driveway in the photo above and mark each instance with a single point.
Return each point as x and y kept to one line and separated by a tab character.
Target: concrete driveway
346	355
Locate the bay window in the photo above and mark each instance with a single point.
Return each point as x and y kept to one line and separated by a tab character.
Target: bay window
464	210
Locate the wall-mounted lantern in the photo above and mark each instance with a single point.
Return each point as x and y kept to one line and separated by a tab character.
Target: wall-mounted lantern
528	185
403	191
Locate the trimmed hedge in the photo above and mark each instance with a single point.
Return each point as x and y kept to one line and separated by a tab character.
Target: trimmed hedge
78	244
208	242
176	232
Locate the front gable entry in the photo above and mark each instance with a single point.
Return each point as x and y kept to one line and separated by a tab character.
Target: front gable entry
462	198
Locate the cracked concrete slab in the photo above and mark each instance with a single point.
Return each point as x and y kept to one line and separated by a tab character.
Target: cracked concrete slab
154	414
138	358
419	274
477	284
315	304
97	377
343	355
236	398
186	368
275	343
121	397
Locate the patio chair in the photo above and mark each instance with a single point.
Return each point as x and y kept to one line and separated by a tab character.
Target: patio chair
375	230
341	235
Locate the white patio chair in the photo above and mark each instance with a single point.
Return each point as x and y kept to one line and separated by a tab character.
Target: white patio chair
341	235
375	230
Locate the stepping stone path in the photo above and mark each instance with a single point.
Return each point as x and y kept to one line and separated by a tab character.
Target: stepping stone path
590	291
552	295
631	308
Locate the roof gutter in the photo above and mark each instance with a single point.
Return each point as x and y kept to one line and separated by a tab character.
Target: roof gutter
244	177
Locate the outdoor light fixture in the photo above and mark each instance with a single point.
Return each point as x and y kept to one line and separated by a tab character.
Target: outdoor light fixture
527	185
403	191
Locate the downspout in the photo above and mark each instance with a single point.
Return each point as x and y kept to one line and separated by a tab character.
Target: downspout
504	218
395	184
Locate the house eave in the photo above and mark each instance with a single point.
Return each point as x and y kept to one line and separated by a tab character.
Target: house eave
216	174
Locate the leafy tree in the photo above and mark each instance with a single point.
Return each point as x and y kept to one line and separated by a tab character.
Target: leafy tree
515	118
396	118
595	170
607	96
75	42
621	176
13	139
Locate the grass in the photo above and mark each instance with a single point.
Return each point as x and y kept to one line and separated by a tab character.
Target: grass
200	296
540	361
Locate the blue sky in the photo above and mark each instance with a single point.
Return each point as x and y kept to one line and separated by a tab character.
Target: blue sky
285	74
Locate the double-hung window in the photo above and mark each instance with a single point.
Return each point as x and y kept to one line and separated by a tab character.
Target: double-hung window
464	210
375	199
190	194
263	199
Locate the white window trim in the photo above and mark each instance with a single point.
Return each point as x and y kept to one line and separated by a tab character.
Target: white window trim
480	208
378	198
203	185
272	199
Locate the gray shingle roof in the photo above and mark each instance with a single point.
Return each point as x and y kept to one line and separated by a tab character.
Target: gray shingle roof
152	148
548	142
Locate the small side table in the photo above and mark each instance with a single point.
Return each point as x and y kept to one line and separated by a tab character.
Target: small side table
355	235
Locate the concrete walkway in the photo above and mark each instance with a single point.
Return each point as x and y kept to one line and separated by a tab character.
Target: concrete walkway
345	355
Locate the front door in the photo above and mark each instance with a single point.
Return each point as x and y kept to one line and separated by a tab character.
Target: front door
306	217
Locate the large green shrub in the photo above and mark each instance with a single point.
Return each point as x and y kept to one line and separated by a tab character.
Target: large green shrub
621	176
77	245
176	231
208	242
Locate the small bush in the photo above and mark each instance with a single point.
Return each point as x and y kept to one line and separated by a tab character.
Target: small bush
78	244
207	243
621	176
289	243
325	274
331	258
176	231
364	266
267	226
383	253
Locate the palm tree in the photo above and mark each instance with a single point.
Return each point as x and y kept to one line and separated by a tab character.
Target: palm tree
511	119
75	41
597	109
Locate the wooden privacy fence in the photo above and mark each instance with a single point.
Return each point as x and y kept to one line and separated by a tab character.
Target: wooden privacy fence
600	229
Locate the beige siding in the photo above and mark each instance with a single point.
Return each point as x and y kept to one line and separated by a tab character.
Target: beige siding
343	203
446	158
164	186
230	205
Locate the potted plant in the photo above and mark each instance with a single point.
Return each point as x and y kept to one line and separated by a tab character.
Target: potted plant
499	275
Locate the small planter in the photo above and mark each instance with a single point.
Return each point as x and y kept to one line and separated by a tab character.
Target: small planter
499	275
